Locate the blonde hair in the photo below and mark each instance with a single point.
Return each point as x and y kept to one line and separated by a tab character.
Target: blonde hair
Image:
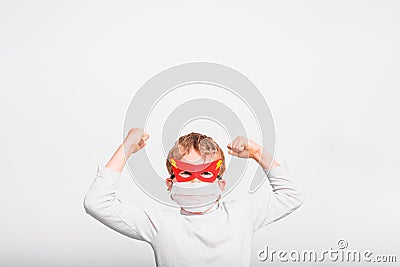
204	145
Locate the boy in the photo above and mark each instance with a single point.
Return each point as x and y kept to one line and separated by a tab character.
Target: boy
206	231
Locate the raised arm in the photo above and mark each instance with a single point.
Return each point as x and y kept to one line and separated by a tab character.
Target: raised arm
102	203
134	141
273	200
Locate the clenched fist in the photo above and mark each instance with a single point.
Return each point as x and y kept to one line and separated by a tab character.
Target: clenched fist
244	148
135	140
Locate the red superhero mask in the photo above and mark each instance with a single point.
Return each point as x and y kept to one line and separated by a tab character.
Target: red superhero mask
185	172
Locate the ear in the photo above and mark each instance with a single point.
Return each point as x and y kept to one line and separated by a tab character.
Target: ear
169	183
222	184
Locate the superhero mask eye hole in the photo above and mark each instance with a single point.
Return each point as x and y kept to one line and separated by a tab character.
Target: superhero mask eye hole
207	174
185	174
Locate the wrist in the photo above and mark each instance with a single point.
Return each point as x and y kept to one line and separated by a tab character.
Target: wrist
127	148
264	158
256	154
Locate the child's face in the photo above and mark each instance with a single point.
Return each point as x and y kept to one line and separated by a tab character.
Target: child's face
193	157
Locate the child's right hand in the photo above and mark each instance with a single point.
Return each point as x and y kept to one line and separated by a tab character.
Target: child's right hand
135	140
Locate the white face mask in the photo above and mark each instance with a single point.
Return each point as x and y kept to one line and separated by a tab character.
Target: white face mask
195	197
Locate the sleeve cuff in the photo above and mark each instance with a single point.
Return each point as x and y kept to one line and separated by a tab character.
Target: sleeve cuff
104	171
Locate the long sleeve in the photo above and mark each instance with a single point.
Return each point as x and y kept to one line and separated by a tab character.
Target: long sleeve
131	220
276	200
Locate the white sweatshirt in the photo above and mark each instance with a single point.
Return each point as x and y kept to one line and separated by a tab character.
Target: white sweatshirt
221	237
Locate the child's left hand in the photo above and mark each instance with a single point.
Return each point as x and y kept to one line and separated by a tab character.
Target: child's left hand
244	148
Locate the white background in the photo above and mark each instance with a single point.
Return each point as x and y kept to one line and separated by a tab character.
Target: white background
69	69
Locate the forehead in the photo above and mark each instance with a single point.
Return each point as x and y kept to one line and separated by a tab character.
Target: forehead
193	167
193	162
194	157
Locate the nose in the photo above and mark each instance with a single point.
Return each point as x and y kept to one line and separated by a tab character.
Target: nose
195	180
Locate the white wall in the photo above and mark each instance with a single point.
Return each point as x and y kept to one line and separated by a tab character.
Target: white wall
329	70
